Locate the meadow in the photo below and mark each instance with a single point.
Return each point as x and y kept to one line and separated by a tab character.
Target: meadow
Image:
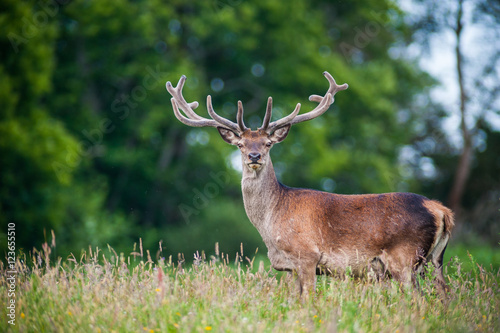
102	291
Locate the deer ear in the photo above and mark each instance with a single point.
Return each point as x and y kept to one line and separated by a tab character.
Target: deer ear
228	135
280	134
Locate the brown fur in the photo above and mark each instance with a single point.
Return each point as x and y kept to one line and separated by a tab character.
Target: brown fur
310	232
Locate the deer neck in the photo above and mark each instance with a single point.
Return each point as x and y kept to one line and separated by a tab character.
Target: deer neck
261	192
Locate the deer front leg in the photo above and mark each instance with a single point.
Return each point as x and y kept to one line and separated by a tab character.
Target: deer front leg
306	278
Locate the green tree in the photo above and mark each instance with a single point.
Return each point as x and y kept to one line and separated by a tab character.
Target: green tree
31	195
46	183
128	168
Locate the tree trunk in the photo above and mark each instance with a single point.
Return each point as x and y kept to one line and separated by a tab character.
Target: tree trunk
463	168
461	177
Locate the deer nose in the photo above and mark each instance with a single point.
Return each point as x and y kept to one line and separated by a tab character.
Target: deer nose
254	157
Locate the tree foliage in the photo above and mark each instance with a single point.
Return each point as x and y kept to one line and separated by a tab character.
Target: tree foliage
90	146
463	158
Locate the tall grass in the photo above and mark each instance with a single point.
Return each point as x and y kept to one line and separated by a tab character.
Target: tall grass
101	291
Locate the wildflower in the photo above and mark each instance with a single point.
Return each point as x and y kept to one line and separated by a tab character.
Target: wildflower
22	315
315	316
69	313
423	317
296	322
157	290
177	313
321	321
176	325
208	328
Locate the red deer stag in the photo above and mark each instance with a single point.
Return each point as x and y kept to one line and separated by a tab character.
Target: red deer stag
310	232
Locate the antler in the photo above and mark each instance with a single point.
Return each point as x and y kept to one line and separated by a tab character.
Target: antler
190	117
294	118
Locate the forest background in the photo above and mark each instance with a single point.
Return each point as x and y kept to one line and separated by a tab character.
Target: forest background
91	151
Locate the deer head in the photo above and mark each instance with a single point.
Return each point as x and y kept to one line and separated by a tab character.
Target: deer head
254	145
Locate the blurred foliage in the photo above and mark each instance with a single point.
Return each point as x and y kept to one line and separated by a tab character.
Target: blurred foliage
90	146
444	162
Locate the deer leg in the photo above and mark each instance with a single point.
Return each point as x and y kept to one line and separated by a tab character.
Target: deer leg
400	269
402	274
307	280
437	261
306	277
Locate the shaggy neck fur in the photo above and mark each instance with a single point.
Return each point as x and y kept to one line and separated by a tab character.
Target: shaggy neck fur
260	195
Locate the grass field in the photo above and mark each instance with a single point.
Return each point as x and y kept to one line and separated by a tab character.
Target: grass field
102	291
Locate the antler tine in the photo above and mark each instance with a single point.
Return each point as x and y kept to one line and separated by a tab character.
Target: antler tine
176	92
191	122
222	121
318	111
239	117
191	118
333	89
267	117
294	117
284	121
324	101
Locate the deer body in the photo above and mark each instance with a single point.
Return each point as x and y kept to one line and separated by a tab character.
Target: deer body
310	232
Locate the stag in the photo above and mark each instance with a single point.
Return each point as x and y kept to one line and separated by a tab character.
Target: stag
310	232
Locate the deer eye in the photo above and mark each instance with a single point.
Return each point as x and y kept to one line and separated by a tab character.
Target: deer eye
240	145
269	144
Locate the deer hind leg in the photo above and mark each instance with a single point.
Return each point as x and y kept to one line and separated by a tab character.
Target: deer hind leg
438	275
436	257
399	265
